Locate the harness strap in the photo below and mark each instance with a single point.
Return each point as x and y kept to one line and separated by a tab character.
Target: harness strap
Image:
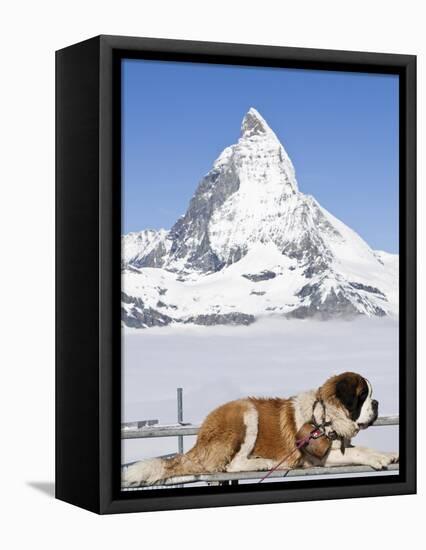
326	423
318	431
323	423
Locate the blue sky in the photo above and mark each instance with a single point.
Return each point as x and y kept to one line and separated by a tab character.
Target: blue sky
340	130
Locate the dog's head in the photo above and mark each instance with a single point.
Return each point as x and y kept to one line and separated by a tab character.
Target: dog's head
353	393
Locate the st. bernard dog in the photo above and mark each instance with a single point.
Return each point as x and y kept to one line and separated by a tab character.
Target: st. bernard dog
256	434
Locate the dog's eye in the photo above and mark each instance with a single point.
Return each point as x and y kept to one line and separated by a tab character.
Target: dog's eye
363	394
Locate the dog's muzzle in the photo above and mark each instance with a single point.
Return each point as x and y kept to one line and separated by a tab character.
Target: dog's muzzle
375	408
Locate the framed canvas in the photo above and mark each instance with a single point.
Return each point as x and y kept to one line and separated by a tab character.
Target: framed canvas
236	292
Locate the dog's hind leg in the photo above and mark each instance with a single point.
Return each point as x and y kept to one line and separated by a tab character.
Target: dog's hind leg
241	461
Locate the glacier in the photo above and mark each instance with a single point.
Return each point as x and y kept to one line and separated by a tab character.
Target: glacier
250	246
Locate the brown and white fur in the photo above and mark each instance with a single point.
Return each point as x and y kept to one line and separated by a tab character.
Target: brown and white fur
255	434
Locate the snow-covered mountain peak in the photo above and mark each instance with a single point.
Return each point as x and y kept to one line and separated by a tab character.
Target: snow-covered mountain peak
251	244
260	155
254	124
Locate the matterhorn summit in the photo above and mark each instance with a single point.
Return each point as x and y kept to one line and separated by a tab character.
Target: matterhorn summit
254	124
252	245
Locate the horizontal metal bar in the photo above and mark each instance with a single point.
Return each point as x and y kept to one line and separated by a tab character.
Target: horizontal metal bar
139	424
284	474
168	430
130	431
391	420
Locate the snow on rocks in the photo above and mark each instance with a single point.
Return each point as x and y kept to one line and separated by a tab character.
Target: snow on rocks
252	245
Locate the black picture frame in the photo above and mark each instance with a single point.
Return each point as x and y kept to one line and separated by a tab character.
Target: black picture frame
88	252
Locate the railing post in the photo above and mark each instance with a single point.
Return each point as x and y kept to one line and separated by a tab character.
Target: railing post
180	417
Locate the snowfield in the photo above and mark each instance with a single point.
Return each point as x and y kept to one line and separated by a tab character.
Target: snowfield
236	288
272	357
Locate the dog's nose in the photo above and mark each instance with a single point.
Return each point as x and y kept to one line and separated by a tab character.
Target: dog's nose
375	405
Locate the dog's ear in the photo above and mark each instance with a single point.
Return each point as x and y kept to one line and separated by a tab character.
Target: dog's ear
347	393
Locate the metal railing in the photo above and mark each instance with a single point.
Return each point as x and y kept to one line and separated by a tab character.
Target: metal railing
133	431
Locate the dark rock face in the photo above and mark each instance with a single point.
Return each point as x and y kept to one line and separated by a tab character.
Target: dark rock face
257	277
125	298
137	302
311	253
235	255
339	303
155	258
234	318
253	125
367	288
188	239
140	316
167	306
128	267
144	318
310	290
334	306
190	233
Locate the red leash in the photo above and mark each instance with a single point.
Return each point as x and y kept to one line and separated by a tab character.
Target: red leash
299	444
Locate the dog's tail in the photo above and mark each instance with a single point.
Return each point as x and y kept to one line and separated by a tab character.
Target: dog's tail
154	470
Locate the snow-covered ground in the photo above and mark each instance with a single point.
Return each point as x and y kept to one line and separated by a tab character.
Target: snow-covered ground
230	290
269	358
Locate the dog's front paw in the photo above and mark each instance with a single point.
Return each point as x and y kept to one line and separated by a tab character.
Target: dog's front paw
130	475
394	457
379	461
134	474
